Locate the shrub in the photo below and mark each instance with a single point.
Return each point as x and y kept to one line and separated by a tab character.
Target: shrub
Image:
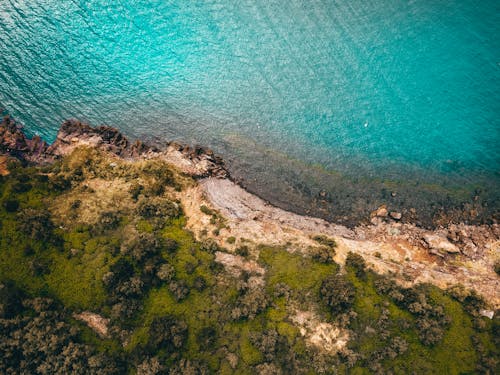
200	283
231	240
207	211
170	245
206	338
144	246
179	289
135	190
323	254
10	300
166	272
11	205
357	263
35	223
39	267
108	220
209	245
157	208
496	267
338	293
242	251
249	304
167	333
189	367
189	267
325	241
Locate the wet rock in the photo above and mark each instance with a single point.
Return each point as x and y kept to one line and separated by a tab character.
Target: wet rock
395	215
439	244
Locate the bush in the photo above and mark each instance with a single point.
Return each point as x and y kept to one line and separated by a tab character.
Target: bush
249	304
11	205
35	223
144	246
206	338
188	367
10	300
496	267
325	241
167	333
108	220
242	251
323	254
157	208
207	211
135	190
166	272
179	289
199	283
338	293
357	263
209	245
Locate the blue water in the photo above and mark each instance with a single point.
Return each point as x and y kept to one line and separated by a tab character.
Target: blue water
382	87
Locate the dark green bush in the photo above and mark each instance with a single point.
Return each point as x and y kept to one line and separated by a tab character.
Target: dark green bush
167	333
179	289
325	241
357	263
338	293
36	224
11	205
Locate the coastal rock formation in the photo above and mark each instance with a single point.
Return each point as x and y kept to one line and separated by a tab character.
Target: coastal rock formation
13	142
196	161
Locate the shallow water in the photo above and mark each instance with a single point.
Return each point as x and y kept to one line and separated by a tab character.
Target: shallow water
407	92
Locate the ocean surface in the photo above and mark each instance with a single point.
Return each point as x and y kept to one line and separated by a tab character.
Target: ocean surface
324	107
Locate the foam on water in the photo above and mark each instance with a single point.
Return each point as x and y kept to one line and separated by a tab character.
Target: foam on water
397	89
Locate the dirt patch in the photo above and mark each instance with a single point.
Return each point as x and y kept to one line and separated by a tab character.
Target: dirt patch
322	335
94	321
3	165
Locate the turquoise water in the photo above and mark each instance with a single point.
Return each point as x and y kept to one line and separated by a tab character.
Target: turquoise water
385	88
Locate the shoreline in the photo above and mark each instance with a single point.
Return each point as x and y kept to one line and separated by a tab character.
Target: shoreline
455	254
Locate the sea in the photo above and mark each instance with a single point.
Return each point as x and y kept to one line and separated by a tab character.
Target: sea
325	107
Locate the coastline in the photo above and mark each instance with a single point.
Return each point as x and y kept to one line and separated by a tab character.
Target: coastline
446	256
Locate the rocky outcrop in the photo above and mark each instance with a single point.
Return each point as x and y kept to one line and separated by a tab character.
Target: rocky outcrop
438	244
13	142
74	133
196	161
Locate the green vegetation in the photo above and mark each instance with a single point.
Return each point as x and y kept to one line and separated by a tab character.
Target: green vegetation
109	237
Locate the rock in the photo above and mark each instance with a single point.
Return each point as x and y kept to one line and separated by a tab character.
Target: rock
95	321
487	313
439	243
380	212
395	215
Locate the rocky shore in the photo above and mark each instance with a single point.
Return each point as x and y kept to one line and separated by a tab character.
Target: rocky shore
449	255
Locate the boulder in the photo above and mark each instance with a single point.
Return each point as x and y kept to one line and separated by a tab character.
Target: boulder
439	243
487	313
395	215
380	212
